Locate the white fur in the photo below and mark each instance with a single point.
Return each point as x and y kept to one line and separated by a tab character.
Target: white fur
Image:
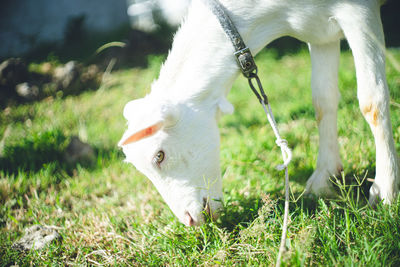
201	68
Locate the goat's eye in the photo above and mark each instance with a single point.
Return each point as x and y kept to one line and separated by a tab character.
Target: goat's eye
159	157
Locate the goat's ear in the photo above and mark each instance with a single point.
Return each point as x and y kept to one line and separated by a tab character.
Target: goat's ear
129	138
146	117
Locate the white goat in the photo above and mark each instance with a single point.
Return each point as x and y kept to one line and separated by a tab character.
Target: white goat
172	134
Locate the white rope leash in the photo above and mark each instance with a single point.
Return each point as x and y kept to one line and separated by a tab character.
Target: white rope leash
287	157
282	143
248	68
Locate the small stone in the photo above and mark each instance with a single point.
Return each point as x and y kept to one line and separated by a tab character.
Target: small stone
37	237
65	76
27	91
78	151
12	72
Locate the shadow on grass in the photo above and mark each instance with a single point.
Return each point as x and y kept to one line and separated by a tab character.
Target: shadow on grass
351	190
238	212
46	150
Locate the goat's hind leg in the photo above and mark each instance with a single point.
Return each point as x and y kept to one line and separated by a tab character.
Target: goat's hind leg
325	95
363	30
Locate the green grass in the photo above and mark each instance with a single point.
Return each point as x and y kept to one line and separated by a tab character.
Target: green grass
108	213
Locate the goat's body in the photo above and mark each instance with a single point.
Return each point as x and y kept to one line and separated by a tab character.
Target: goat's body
200	46
201	68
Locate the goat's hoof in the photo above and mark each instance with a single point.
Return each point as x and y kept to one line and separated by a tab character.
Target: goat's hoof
377	193
319	185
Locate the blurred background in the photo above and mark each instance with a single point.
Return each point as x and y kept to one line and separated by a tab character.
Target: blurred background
34	29
72	31
72	28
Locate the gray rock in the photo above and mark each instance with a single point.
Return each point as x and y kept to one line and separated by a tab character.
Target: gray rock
37	237
78	151
27	91
66	76
12	72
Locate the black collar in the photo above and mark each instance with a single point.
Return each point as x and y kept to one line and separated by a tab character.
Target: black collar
242	52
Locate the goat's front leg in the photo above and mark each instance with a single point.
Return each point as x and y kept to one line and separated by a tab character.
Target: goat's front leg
363	31
325	94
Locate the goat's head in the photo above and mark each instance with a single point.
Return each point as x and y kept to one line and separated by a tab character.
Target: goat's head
177	147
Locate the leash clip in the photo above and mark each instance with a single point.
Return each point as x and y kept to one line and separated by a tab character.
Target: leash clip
246	62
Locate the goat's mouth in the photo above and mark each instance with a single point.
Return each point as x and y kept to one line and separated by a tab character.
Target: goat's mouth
207	212
210	212
206	206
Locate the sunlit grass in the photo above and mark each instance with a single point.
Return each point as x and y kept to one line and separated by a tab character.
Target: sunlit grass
108	213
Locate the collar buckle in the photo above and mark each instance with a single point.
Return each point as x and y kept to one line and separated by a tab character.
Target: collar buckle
245	61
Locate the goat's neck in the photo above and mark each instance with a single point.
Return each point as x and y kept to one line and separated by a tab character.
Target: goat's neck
201	66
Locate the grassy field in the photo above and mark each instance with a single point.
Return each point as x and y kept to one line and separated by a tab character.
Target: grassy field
108	213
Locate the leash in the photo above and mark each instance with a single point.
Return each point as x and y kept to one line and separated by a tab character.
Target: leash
249	69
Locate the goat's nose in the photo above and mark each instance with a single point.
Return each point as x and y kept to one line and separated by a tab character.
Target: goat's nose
189	220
